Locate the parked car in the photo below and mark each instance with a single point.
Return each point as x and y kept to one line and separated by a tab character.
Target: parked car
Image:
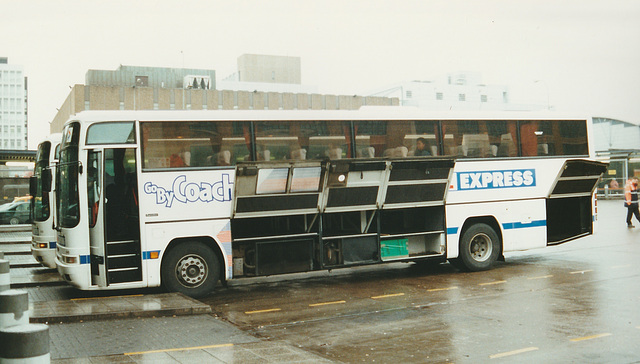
16	212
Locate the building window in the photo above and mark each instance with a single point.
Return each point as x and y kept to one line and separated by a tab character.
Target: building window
462	97
483	98
409	94
142	81
439	96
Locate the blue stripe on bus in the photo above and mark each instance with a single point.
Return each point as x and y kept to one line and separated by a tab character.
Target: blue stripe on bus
520	225
86	259
507	226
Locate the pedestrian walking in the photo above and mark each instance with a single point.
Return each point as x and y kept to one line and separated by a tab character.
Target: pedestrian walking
631	200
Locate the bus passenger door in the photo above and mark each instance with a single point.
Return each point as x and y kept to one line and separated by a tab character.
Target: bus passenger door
123	260
114	217
96	217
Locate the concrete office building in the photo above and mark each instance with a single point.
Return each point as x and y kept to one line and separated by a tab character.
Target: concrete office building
151	88
269	69
267	74
13	106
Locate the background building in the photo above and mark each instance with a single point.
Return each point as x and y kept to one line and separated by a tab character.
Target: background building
152	88
269	69
156	77
454	91
13	106
618	143
267	74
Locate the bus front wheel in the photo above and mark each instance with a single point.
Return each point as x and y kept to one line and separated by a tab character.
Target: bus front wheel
190	268
479	248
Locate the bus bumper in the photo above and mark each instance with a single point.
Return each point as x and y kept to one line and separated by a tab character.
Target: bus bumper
73	269
44	251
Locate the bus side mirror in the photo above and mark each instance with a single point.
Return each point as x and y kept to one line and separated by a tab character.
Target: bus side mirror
33	182
46	180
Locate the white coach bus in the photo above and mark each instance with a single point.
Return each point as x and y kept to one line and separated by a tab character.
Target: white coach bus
43	238
185	199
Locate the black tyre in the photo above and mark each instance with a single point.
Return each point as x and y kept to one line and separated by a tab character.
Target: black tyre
191	268
479	248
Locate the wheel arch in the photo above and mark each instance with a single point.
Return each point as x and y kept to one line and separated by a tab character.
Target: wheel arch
488	220
208	241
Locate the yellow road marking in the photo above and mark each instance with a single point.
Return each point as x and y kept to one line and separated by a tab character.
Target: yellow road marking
388	295
491	283
590	337
541	277
263	311
581	271
441	289
180	349
96	298
514	352
326	303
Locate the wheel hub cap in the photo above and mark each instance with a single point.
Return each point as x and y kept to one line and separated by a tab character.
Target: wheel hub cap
192	270
480	247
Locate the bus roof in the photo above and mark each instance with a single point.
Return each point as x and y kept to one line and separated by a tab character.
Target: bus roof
364	113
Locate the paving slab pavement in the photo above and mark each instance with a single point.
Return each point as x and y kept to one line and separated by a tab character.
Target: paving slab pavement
15	234
192	339
117	307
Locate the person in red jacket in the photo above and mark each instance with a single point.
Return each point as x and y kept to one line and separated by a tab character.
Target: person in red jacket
631	200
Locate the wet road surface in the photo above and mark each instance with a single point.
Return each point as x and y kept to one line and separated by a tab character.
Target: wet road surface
578	302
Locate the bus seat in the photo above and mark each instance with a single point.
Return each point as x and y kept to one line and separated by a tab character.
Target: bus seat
264	155
186	157
460	150
543	149
223	158
507	147
334	153
477	145
401	152
397	152
299	154
367	152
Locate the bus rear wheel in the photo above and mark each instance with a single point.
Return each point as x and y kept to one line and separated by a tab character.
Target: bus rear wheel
191	268
479	248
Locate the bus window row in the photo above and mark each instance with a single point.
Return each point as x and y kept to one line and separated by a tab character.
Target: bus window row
224	143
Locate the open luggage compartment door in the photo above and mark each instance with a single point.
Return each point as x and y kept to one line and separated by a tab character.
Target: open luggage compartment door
569	204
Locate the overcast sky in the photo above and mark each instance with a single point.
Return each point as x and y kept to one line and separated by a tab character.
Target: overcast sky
586	53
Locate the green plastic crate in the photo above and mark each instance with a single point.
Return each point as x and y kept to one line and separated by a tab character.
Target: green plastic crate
397	248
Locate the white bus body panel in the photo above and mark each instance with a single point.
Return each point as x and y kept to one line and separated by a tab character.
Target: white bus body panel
74	243
522	223
518	189
185	204
43	233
